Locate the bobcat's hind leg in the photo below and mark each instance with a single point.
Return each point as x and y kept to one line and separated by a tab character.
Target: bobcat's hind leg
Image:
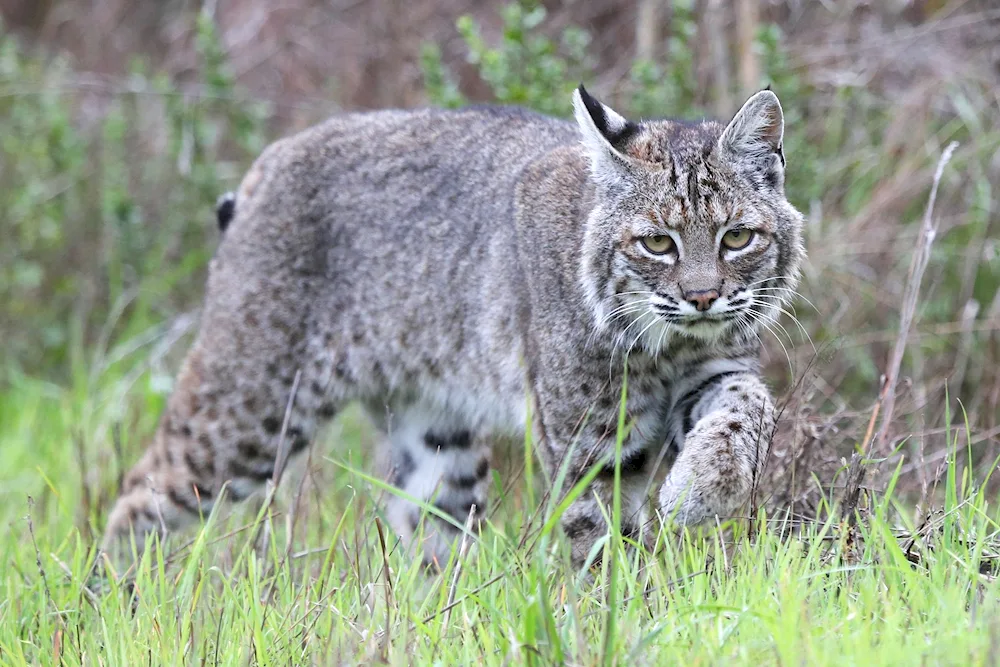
439	462
223	423
209	437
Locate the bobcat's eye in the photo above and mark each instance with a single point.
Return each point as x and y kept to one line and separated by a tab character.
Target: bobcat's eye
737	239
660	244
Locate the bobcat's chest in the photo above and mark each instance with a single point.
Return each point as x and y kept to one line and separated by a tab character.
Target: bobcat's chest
650	404
647	406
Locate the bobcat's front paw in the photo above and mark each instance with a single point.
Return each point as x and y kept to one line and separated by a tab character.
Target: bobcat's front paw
713	475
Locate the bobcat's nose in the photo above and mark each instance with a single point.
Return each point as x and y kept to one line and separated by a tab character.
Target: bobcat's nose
702	300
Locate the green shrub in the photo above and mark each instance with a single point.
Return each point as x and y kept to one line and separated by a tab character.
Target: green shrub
108	193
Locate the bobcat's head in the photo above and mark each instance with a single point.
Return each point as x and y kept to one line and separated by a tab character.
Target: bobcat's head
691	233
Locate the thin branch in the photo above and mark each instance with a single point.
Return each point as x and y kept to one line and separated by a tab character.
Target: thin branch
747	21
462	550
387	573
887	394
928	232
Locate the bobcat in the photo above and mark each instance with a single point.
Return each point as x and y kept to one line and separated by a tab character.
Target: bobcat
477	272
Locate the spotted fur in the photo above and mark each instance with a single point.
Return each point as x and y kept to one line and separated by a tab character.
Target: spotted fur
479	272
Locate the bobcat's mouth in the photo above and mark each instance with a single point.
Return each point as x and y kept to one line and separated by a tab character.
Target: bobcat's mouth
693	323
674	315
705	326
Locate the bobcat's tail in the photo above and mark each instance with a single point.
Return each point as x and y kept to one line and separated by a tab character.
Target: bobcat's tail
225	209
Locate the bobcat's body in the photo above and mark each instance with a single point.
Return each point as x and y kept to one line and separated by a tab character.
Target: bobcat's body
453	272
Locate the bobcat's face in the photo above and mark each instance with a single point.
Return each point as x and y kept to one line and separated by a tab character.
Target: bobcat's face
692	234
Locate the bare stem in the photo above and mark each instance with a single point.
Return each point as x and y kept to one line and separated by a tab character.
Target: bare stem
928	232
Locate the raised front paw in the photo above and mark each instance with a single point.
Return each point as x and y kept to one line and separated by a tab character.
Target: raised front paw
714	474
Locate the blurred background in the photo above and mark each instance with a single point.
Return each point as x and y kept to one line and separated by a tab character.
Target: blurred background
121	121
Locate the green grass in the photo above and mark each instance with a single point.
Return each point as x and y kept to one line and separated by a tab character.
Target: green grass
106	236
776	593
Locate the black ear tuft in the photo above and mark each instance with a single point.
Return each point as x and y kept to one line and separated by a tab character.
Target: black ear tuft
617	133
768	87
225	210
595	109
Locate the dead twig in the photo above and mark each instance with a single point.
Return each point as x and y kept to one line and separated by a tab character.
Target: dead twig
387	573
928	232
462	550
280	460
57	639
887	395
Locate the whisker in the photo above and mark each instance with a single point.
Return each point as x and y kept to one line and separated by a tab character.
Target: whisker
618	339
794	319
635	315
625	307
778	339
621	310
786	289
764	280
666	313
777	323
744	326
641	333
760	319
775	320
659	341
770	319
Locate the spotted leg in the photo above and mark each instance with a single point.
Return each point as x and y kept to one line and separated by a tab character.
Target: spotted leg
435	461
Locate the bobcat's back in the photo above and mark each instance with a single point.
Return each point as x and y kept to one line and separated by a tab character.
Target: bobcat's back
396	228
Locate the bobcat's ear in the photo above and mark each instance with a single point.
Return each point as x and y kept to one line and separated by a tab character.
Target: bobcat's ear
605	135
752	141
